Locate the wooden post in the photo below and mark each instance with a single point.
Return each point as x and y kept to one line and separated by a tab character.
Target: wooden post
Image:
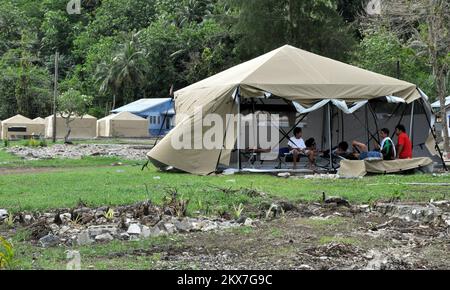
55	93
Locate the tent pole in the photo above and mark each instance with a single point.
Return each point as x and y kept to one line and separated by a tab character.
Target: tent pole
367	127
239	131
374	115
329	135
434	136
411	124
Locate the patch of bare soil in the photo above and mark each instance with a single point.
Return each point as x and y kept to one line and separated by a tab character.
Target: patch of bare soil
5	171
362	241
333	235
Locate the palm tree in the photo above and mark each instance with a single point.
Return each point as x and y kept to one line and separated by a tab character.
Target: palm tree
124	70
194	11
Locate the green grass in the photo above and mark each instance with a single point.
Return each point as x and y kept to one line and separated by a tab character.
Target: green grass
126	184
94	181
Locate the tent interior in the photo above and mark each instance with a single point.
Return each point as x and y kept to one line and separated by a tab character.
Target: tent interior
325	123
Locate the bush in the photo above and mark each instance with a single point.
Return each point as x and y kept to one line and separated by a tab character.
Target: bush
35	143
6	254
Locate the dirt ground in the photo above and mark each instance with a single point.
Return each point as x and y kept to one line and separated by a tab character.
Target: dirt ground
294	242
307	236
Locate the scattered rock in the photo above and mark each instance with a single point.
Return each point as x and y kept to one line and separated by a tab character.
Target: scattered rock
183	226
28	218
135	152
134	229
210	226
198	226
145	233
241	219
248	222
124	236
3	214
49	240
408	213
84	239
305	267
63	230
104	238
170	228
284	174
54	228
65	217
102	229
339	201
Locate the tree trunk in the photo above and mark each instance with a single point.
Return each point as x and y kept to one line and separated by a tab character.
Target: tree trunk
66	138
441	91
114	102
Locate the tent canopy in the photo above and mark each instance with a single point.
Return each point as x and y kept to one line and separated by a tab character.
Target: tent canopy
287	72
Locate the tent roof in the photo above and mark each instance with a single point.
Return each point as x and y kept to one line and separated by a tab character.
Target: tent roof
39	120
123	116
141	105
437	104
87	116
18	119
299	75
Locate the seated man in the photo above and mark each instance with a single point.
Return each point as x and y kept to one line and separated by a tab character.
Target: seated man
404	146
296	145
384	151
386	147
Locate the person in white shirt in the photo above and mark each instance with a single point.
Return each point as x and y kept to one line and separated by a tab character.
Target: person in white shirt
297	145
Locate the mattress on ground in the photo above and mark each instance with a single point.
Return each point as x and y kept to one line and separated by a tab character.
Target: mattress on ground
356	168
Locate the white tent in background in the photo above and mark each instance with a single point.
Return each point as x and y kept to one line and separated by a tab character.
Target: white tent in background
123	124
82	128
19	126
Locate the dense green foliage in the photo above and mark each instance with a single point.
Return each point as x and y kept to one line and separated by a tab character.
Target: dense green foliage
121	50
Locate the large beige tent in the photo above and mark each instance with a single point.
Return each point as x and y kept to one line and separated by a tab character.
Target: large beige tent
82	128
123	124
19	126
298	77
